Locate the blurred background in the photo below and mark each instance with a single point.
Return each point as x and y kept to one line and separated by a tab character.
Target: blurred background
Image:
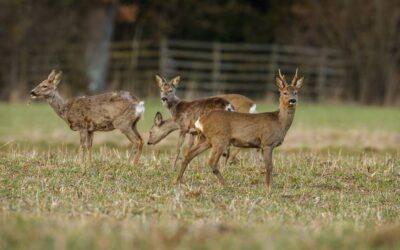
348	50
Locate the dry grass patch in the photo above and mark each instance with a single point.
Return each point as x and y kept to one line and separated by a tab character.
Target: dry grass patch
328	198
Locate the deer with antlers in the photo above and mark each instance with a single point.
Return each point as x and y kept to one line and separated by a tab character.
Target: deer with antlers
105	112
262	130
185	113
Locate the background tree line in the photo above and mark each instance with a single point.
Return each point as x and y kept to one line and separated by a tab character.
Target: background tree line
367	32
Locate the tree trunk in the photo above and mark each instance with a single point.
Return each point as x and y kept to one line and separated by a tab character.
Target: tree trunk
101	24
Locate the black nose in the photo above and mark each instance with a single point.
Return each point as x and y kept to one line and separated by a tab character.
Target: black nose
33	93
164	99
148	143
292	101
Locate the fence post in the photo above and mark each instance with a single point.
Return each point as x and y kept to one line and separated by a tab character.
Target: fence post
216	69
163	64
322	75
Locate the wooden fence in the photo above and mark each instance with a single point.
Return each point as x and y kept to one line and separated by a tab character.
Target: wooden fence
206	68
212	68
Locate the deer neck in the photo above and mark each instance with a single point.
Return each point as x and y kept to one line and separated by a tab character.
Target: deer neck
57	102
286	115
170	126
172	106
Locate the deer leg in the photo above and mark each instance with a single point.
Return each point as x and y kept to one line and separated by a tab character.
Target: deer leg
181	139
190	142
213	162
89	143
139	145
226	155
193	152
134	137
233	155
267	155
82	148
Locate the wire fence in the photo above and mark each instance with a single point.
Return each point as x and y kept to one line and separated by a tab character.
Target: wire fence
206	68
212	68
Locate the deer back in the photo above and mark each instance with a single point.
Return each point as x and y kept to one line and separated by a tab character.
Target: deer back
241	103
101	112
186	113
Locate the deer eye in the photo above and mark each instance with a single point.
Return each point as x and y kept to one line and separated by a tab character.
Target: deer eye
285	93
44	86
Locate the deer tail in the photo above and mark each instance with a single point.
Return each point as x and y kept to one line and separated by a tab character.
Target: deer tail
253	108
140	108
229	108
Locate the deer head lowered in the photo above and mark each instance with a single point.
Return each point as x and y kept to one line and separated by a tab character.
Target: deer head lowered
114	110
263	130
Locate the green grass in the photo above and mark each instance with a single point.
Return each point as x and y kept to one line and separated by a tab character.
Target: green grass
324	196
17	118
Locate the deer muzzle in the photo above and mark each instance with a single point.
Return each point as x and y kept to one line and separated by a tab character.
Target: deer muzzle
33	94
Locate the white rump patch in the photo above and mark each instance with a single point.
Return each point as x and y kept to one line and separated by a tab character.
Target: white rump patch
229	108
140	108
253	109
198	125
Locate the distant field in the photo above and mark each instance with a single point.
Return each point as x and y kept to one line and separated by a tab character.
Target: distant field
337	125
336	185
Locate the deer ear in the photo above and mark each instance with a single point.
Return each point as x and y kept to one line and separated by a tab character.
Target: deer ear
52	75
159	81
158	119
57	78
280	83
175	82
299	83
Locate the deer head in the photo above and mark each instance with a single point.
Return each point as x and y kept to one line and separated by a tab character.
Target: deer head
288	93
160	129
167	89
48	87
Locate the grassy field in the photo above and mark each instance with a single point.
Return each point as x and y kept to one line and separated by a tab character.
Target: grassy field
336	185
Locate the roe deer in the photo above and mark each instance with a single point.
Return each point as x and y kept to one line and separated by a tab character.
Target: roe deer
262	130
185	113
162	128
105	112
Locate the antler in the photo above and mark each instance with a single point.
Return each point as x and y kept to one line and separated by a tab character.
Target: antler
280	75
295	77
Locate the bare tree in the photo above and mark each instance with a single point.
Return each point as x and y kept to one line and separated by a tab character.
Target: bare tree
368	32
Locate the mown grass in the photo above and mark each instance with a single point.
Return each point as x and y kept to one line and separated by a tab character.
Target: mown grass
323	197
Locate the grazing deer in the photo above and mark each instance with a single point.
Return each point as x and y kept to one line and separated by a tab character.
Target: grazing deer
162	128
115	110
185	113
263	130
